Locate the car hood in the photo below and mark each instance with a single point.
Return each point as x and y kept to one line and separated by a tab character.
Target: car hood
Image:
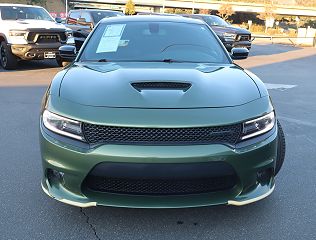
30	24
111	85
229	29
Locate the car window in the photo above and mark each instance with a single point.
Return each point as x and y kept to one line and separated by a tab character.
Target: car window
21	13
73	16
196	17
87	17
99	15
154	41
215	21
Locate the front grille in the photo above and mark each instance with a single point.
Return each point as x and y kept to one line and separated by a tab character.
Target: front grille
97	134
160	186
46	37
243	37
40	50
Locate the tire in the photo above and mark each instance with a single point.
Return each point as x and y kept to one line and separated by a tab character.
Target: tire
61	63
7	59
280	150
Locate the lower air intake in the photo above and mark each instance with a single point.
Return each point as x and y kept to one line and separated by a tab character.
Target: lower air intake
160	186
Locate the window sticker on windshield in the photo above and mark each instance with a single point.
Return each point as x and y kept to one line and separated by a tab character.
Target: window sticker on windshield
123	43
111	38
114	30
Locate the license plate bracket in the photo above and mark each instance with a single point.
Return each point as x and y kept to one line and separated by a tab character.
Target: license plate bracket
49	55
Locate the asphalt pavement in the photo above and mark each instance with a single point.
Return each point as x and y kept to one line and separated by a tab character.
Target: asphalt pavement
289	213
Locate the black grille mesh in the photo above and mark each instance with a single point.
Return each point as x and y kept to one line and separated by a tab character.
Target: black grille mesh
162	85
60	36
47	39
96	134
160	186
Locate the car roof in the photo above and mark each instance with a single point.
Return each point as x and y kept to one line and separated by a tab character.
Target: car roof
152	18
17	5
160	14
201	15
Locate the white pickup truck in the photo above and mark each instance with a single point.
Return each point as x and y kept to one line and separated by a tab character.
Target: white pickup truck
29	33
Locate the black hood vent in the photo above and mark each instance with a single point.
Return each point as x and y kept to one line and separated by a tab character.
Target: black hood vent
182	86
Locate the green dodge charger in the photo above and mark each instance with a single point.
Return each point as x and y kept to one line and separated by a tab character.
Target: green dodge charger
153	113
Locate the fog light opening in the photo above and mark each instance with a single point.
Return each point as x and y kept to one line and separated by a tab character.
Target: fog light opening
29	54
54	176
264	176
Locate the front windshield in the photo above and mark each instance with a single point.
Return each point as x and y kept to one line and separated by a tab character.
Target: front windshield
154	41
215	21
22	13
99	15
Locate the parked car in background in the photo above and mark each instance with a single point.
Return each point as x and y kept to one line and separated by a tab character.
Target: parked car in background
157	14
229	35
84	20
29	33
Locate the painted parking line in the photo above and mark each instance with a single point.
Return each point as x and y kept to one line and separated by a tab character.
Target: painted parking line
281	87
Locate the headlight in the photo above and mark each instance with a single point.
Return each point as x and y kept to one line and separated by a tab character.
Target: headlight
258	126
229	36
61	125
17	33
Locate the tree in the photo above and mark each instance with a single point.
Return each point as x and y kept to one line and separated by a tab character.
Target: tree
204	11
169	10
178	11
306	3
225	11
37	2
267	15
130	7
182	11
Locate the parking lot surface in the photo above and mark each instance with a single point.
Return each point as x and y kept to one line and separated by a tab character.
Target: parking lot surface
289	213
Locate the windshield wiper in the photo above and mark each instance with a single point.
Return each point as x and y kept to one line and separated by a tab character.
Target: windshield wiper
170	60
103	60
96	60
166	60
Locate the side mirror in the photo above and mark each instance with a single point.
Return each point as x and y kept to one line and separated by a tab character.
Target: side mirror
58	20
67	53
239	53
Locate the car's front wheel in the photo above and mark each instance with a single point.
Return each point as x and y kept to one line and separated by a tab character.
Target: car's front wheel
280	150
7	59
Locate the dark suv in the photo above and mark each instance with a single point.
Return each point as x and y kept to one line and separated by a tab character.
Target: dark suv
229	35
83	21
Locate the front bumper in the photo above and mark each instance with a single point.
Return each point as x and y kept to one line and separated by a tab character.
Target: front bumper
230	45
34	51
75	162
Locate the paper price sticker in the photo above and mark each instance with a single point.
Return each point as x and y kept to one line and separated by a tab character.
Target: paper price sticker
111	38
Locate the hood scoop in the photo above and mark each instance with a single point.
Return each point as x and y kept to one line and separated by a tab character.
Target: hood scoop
181	86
